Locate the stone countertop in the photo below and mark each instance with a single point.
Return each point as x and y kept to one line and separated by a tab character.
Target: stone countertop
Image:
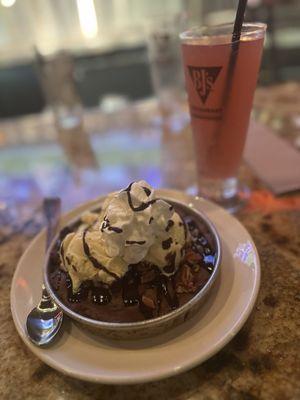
261	362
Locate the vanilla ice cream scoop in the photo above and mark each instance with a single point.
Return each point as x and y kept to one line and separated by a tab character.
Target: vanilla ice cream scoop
133	226
168	248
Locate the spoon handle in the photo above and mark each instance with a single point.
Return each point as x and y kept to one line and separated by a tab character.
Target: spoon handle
52	210
46	301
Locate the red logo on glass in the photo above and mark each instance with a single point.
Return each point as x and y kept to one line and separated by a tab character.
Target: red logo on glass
203	79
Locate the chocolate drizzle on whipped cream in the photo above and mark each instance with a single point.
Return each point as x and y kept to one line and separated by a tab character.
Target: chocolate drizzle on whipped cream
140	242
106	225
92	259
147	191
144	205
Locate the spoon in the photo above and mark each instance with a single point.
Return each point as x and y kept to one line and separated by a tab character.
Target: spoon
44	321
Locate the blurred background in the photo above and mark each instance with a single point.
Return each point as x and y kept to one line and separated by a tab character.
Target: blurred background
108	43
92	93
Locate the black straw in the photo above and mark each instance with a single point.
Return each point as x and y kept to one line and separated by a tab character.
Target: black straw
239	19
235	44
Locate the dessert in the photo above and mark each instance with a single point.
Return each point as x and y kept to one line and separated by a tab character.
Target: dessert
137	257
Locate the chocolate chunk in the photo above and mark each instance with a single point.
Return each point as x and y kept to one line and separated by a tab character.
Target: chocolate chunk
169	225
166	244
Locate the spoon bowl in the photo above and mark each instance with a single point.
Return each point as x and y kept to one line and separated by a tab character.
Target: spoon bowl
44	321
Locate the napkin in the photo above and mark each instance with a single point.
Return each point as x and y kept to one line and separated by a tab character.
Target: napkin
272	159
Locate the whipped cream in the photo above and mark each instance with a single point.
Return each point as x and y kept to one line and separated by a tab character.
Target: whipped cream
133	226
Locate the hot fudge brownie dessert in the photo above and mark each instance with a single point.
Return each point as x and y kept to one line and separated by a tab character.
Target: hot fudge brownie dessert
136	258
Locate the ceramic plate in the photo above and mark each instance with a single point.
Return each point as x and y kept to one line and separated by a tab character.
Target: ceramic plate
81	354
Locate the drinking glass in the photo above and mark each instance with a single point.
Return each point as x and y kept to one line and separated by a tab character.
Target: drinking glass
221	77
56	73
164	58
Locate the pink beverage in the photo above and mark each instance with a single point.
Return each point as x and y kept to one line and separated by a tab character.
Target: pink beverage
220	80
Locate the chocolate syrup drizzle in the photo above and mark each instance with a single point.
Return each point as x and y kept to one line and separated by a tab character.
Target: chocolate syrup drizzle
93	260
100	295
106	225
144	205
164	291
130	288
147	191
136	242
80	295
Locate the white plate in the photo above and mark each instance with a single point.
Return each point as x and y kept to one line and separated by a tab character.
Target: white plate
82	355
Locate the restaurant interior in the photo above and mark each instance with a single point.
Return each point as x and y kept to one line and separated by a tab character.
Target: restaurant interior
97	94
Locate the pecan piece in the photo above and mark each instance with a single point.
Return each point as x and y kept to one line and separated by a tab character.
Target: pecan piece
193	257
186	281
149	298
